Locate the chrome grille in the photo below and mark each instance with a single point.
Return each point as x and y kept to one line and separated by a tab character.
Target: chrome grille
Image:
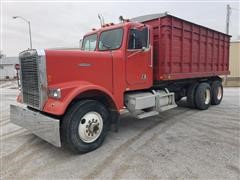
30	79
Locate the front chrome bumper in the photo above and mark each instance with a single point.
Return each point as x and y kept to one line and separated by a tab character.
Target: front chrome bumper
43	126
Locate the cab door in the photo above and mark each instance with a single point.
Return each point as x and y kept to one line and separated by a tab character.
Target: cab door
139	59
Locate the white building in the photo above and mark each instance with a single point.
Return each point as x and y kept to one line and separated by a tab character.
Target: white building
7	67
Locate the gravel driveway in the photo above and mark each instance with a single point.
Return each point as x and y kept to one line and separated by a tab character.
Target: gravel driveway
179	143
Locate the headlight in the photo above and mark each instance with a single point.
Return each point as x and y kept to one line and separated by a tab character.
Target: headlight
54	93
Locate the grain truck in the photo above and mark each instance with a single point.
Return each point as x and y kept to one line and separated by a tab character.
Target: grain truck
143	65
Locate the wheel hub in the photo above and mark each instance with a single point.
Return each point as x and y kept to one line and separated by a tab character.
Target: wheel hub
93	126
219	94
207	96
90	127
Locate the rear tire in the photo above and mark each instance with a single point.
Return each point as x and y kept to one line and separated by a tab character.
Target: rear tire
191	95
203	96
217	92
85	126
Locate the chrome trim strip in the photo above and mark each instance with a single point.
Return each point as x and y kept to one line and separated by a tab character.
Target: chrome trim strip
42	77
20	76
43	126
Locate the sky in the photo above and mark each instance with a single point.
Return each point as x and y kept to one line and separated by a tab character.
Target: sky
63	24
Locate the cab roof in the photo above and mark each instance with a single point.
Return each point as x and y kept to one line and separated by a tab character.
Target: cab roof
111	26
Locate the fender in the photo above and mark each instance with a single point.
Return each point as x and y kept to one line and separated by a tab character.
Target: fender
69	91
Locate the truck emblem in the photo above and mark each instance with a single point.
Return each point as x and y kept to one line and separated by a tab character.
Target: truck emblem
85	64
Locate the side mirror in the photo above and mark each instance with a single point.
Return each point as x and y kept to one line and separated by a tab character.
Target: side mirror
145	48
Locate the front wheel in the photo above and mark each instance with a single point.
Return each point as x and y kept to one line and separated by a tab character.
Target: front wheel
85	126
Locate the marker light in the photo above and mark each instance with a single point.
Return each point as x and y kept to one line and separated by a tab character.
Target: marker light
54	93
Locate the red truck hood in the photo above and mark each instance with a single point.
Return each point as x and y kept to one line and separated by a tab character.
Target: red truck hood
77	65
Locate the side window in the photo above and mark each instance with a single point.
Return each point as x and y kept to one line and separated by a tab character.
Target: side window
138	38
89	43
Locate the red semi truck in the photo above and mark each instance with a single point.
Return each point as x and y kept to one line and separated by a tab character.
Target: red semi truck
143	65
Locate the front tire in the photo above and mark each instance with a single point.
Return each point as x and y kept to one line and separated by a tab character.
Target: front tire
85	126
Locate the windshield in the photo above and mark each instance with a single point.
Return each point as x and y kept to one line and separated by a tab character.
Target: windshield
111	39
89	42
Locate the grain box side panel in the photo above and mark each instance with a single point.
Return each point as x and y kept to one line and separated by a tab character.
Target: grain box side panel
193	50
186	50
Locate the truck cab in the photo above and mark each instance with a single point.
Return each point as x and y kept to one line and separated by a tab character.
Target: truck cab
113	59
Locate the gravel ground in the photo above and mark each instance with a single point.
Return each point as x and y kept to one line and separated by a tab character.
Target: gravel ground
180	143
